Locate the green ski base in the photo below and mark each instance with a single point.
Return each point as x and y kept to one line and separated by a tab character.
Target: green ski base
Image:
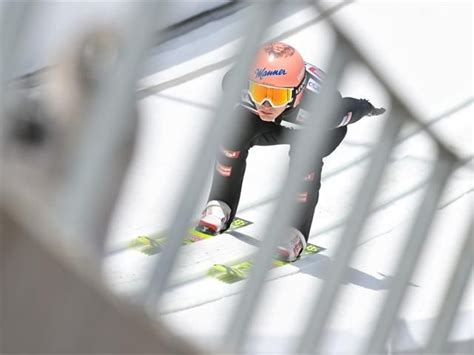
153	244
240	271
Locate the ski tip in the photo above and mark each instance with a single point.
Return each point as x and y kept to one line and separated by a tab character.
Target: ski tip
205	229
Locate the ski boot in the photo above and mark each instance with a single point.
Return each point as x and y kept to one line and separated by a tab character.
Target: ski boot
214	218
291	248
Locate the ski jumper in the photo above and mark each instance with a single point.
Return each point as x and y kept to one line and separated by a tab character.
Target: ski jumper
234	148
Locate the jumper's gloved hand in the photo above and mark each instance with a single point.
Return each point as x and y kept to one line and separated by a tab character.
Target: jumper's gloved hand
368	109
373	111
376	111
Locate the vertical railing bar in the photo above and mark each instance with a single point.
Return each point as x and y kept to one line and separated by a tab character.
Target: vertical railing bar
311	141
225	118
81	195
455	291
377	72
320	313
411	252
13	16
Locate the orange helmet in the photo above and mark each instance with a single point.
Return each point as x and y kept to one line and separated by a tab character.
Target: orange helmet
278	65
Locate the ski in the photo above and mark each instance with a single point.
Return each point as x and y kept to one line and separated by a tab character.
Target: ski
240	271
153	244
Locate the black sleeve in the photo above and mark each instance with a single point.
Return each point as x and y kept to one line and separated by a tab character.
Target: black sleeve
352	110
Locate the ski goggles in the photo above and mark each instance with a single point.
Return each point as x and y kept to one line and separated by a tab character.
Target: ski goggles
277	97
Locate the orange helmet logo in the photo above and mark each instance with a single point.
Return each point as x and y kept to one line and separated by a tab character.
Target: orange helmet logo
279	49
278	64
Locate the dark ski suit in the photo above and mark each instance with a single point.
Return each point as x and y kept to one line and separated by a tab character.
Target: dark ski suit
231	159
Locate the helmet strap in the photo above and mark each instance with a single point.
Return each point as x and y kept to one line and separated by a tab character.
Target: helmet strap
297	91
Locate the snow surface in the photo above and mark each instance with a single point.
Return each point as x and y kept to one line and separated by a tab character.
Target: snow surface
425	48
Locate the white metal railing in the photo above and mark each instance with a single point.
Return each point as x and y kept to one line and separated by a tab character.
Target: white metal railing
82	200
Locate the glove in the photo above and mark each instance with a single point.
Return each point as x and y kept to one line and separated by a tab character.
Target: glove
369	109
376	111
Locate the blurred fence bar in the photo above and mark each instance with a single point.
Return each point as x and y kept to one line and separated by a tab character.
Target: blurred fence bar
52	297
114	106
12	17
351	232
455	291
311	141
85	208
393	91
411	252
224	119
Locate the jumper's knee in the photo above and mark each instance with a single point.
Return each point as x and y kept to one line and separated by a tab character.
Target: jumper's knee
230	159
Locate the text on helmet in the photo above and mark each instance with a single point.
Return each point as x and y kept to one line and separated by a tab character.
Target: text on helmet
261	73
